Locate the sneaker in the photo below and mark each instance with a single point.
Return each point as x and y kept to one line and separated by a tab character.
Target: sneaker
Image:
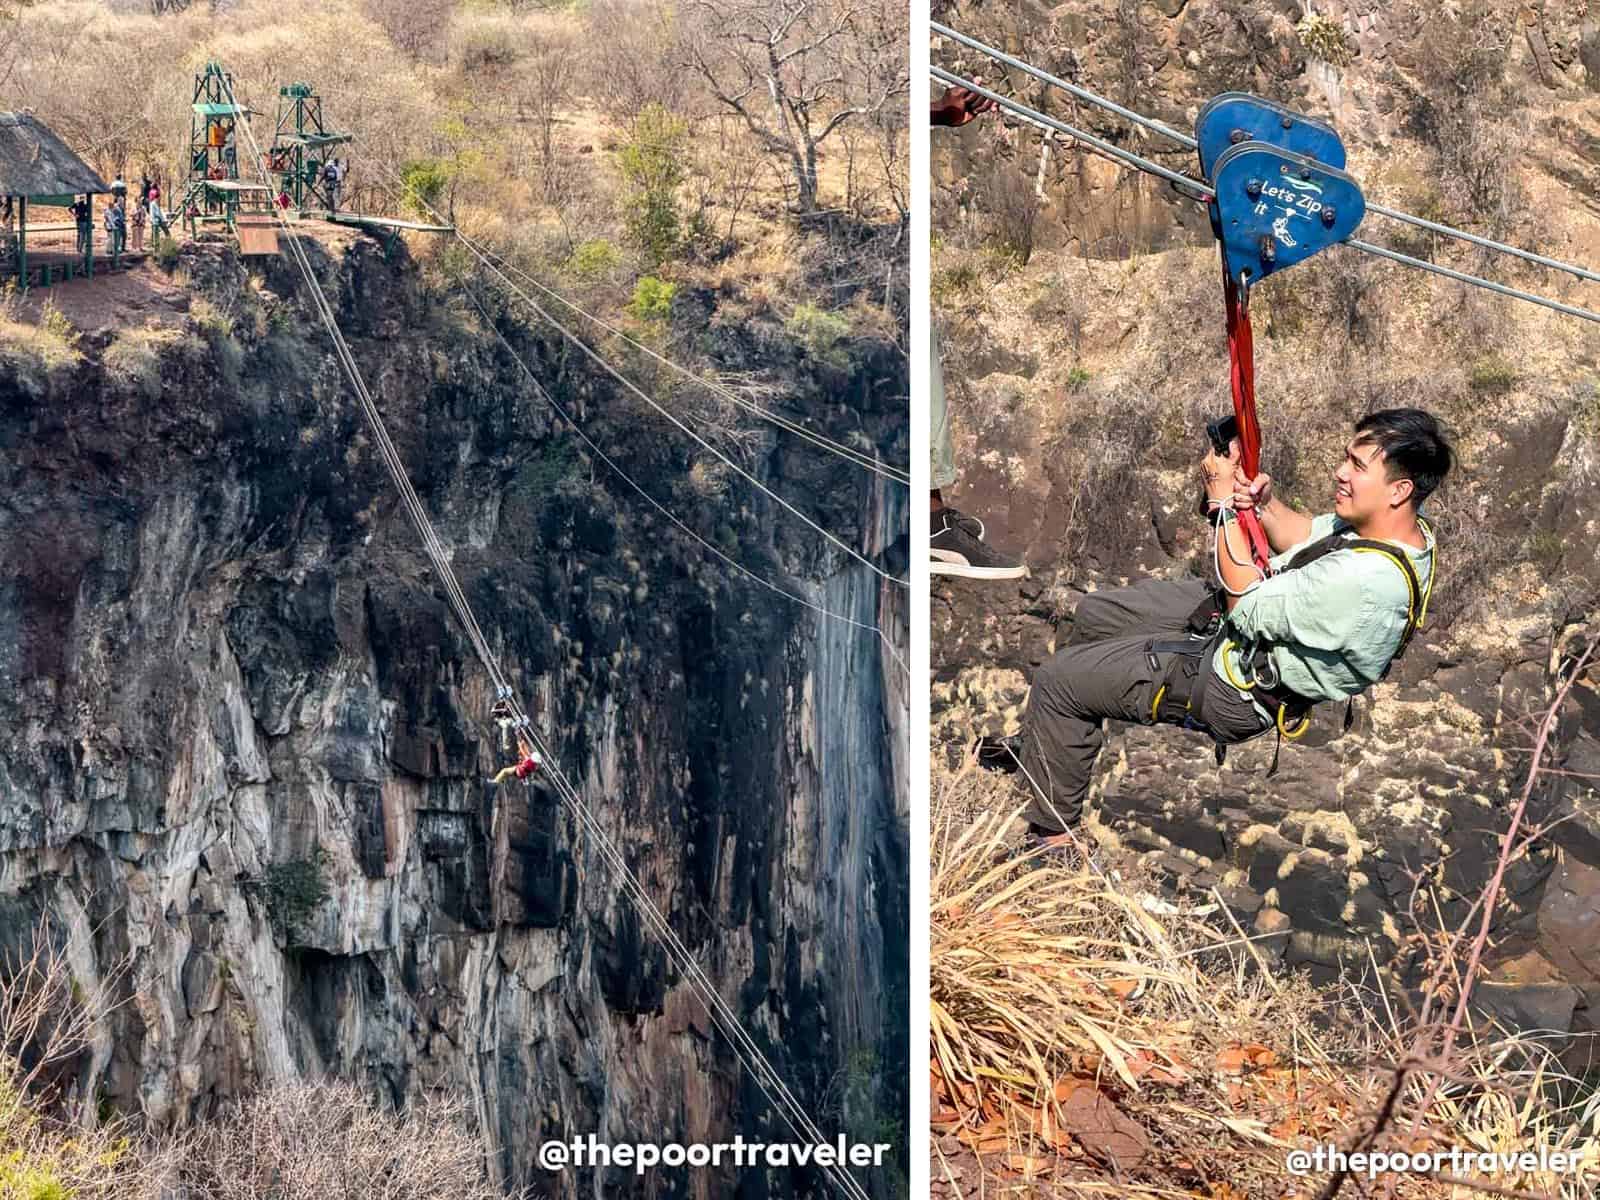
964	522
957	550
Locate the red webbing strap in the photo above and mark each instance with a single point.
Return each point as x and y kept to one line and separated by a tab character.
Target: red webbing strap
1242	375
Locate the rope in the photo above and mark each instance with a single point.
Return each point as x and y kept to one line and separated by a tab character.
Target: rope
1126	156
1242	380
822	442
1189	143
750	1054
1219	542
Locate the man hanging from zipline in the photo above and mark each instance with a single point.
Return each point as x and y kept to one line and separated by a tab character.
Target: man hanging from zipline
1340	599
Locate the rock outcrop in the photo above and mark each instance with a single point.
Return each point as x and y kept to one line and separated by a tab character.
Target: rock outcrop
243	742
1082	375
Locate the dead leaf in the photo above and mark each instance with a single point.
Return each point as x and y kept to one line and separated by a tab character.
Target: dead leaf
1231	1060
1287	1129
1145	1065
1123	989
1261	1056
1068	1084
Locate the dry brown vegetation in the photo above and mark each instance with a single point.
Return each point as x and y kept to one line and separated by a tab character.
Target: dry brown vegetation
1093	1038
293	1141
512	120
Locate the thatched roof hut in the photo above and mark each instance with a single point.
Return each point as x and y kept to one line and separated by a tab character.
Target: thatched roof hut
35	163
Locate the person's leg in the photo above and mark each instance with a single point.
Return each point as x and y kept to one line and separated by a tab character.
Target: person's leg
943	467
1155	606
957	546
1228	716
1072	693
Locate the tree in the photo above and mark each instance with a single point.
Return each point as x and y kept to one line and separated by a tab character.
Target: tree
546	88
10	35
796	71
652	164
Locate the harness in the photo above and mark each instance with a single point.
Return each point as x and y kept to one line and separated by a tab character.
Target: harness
1208	631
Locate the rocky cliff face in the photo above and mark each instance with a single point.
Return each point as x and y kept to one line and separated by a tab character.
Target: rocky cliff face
1081	377
243	742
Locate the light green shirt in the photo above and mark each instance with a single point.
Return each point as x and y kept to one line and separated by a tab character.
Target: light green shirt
1333	624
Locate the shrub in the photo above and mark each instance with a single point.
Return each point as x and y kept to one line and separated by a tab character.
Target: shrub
294	889
306	1141
486	42
821	333
54	322
164	250
51	1147
652	299
38	357
135	358
425	180
594	258
214	323
652	166
1325	38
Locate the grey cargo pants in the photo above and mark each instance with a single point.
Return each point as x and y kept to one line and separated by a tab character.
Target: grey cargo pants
1105	671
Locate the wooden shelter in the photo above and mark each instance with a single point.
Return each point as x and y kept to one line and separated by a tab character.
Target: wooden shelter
38	168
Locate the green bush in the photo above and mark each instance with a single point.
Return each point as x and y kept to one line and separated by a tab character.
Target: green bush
54	322
594	258
652	166
652	299
822	334
953	284
425	180
165	251
1077	378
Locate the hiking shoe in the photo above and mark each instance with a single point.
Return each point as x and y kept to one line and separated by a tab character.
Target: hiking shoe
957	550
1003	754
1023	839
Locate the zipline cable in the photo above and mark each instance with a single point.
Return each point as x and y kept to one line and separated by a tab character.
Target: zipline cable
750	1054
545	395
584	348
1192	186
1137	161
1188	142
877	466
600	362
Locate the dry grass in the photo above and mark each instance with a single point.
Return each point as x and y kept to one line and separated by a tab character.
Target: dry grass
37	355
1054	977
307	1141
293	1141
